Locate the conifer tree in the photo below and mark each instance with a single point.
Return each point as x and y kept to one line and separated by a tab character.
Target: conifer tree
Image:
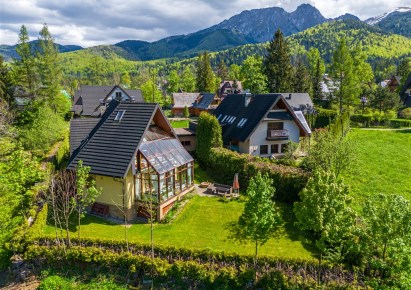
222	70
277	65
50	69
316	70
5	82
205	78
301	79
25	69
342	71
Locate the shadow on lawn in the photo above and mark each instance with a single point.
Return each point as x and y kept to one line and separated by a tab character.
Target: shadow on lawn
406	131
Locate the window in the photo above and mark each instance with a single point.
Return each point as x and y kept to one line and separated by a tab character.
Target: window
276	126
284	148
241	123
119	116
219	117
118	95
274	149
263	149
185	143
225	117
232	120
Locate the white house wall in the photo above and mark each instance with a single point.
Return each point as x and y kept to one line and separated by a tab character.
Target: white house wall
259	136
124	97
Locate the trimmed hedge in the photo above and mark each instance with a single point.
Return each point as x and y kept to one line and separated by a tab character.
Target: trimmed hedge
323	118
193	268
288	181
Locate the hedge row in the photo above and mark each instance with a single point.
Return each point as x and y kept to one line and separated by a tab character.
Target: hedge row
270	272
373	120
288	181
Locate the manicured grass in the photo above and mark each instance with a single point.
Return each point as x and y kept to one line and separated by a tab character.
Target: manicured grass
180	124
202	224
383	164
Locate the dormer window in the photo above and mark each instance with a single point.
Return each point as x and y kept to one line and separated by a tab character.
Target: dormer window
118	95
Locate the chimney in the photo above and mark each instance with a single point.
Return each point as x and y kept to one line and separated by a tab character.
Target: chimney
289	97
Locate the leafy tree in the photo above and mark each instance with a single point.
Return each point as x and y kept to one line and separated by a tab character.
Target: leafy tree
277	65
363	77
86	191
387	244
208	136
205	78
260	218
403	70
324	210
187	79
25	69
383	100
6	85
222	70
49	67
252	75
173	82
301	78
126	80
150	90
316	70
235	73
342	71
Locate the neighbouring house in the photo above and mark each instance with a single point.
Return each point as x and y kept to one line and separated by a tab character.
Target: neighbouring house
229	87
91	101
391	84
405	93
187	136
299	101
195	102
260	124
134	156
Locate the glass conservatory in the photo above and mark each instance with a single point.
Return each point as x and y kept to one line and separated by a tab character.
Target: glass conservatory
164	168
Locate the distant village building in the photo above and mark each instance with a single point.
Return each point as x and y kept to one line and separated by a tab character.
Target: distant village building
195	102
260	124
405	92
299	101
229	87
187	136
391	84
134	156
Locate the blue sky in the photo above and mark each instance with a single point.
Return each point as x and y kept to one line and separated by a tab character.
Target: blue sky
93	22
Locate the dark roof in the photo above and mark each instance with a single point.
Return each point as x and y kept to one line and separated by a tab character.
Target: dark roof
297	101
278	116
87	99
259	105
406	85
205	100
111	145
79	130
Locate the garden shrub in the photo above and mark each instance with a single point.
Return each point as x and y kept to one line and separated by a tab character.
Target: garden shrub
288	181
406	113
323	118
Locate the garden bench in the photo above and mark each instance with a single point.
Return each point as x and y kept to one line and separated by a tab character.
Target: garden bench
219	189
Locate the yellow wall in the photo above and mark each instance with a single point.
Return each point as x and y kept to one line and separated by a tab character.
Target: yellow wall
112	190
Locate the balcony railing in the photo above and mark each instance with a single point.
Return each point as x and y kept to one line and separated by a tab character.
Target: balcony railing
277	134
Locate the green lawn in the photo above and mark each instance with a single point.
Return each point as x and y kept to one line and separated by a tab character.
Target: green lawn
180	124
203	224
383	164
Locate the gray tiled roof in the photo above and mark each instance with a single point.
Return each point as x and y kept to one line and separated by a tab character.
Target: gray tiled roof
181	100
79	130
205	101
87	99
297	100
111	145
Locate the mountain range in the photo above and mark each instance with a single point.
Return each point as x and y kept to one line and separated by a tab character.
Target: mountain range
248	27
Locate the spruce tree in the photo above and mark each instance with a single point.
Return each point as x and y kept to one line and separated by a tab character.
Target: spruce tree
25	69
6	93
222	70
205	78
277	65
50	69
301	79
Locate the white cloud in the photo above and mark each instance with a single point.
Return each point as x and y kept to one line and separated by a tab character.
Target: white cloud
91	22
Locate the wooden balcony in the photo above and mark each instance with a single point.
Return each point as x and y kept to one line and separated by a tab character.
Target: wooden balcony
278	134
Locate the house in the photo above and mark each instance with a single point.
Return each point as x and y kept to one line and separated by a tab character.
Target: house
195	102
391	84
405	93
187	136
260	124
91	101
229	87
299	101
134	156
